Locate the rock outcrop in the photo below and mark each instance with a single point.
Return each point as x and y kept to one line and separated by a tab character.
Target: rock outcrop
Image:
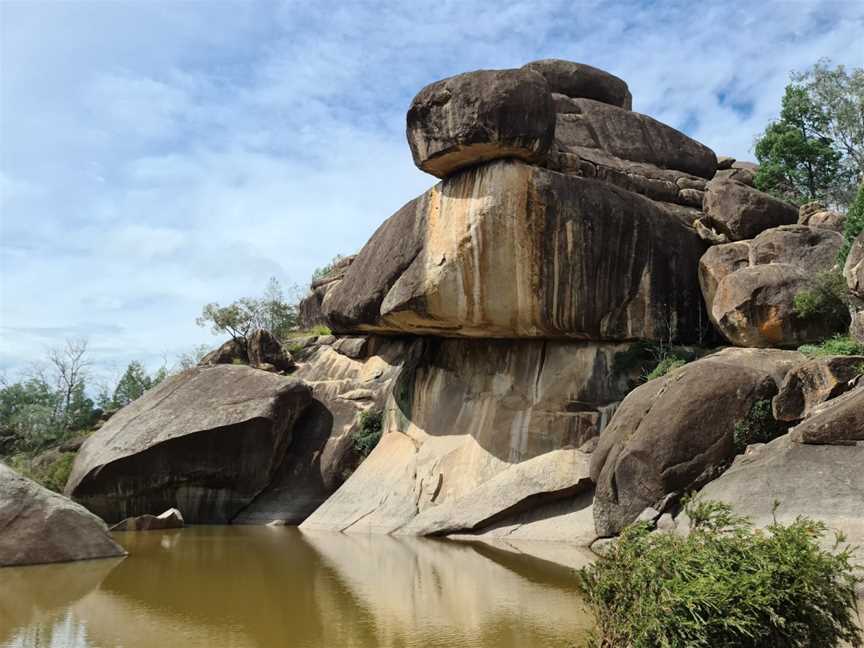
309	310
750	286
511	250
577	80
836	422
262	350
854	273
205	441
170	519
742	212
813	383
39	526
478	432
817	215
675	433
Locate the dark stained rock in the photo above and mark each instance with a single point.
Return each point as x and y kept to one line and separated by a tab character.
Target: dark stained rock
205	441
675	433
264	348
231	352
39	526
741	212
814	382
309	312
724	162
578	80
744	176
322	453
511	250
839	421
820	482
479	116
170	519
750	286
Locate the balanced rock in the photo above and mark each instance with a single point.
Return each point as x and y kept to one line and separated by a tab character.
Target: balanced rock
750	286
479	116
170	519
839	421
511	250
205	441
813	383
741	212
40	526
477	433
578	80
821	482
674	433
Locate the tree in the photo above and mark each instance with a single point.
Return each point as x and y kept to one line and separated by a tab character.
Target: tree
797	160
132	384
70	364
853	225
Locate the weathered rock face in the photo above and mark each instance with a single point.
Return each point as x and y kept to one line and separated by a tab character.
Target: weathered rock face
578	80
230	352
817	215
205	441
837	422
39	526
509	250
170	519
351	376
814	383
264	348
821	482
480	116
750	286
476	433
741	212
675	433
309	310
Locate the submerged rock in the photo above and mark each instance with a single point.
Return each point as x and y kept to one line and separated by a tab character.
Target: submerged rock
170	519
40	526
205	441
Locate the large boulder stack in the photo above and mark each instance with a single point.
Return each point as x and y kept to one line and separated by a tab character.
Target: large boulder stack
39	526
750	286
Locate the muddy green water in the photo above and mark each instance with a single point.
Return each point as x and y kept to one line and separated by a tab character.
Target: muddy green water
256	586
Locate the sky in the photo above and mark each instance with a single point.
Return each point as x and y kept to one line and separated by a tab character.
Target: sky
156	156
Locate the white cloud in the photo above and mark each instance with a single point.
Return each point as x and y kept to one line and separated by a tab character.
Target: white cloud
156	156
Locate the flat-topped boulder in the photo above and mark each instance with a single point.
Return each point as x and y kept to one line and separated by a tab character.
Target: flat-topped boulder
479	116
205	441
511	250
750	286
40	526
478	433
741	212
674	433
578	80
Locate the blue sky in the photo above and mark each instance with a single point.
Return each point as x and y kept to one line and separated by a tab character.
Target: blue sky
155	156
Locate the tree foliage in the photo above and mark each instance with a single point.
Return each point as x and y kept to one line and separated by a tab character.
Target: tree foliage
854	224
323	271
815	150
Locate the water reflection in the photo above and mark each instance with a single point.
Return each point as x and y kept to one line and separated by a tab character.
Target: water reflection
261	587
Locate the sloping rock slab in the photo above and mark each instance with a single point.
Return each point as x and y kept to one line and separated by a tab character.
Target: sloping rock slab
39	526
674	433
205	441
813	383
840	421
509	250
477	431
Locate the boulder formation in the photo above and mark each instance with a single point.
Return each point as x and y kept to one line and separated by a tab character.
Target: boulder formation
309	311
854	273
815	382
741	212
750	286
205	441
40	526
817	215
170	519
262	350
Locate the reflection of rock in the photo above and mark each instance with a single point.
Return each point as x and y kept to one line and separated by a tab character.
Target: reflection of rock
170	519
40	526
37	595
472	417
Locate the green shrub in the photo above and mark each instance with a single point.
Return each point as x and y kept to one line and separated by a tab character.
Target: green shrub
837	345
52	474
725	584
759	426
853	226
828	300
368	432
666	365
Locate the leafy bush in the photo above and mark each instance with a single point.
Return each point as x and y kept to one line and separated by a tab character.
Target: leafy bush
320	273
853	226
666	365
52	473
368	433
837	345
759	426
724	584
652	359
828	300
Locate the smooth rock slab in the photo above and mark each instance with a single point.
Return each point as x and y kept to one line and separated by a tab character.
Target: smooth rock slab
205	441
40	526
479	116
741	212
508	250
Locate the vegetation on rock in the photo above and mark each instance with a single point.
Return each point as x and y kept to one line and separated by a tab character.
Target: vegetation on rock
323	271
837	345
368	432
827	300
724	584
853	225
759	426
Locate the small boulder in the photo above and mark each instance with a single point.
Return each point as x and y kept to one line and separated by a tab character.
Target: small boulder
479	116
743	176
724	162
264	348
814	382
40	526
817	215
839	421
170	519
580	80
231	352
741	212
